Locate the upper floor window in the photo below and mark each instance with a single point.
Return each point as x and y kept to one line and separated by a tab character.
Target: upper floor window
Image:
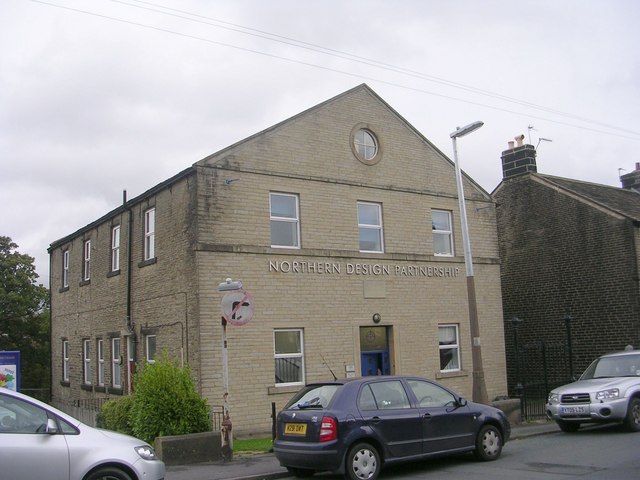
115	248
65	269
86	260
449	345
289	357
370	227
149	234
86	354
366	144
285	223
442	234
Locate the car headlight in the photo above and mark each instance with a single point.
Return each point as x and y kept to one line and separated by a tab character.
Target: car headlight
610	394
554	397
146	452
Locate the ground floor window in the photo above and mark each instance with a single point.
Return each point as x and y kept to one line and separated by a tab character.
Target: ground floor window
100	352
65	360
151	348
289	357
116	363
86	353
449	344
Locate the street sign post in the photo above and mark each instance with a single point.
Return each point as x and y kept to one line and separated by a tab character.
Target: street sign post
237	308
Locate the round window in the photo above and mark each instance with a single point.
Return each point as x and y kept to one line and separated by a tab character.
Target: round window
365	145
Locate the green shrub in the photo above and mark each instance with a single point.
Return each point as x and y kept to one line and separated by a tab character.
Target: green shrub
116	414
166	402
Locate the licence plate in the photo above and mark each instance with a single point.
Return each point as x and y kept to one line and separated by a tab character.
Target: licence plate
295	428
572	410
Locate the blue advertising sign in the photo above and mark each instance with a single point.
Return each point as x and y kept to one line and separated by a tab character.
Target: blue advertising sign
10	370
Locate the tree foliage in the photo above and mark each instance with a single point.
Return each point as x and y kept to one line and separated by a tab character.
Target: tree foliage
166	402
24	315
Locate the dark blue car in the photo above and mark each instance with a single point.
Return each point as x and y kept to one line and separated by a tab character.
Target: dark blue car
355	426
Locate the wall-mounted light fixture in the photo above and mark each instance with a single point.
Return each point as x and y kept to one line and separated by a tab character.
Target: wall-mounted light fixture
376	318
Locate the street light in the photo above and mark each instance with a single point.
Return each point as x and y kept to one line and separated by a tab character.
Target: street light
479	388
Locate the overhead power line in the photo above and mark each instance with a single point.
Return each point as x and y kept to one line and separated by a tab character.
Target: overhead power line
217	23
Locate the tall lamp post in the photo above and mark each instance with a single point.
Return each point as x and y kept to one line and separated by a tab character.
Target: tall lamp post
479	388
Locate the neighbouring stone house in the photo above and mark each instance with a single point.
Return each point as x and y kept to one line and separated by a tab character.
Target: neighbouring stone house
342	222
569	260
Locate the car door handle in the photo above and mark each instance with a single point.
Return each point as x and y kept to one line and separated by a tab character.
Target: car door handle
427	416
375	420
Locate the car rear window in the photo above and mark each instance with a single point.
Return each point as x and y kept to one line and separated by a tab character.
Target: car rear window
313	396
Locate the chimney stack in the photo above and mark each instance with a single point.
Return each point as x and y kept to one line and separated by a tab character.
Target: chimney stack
631	181
519	159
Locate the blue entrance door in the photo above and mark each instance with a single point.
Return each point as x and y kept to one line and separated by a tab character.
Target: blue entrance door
374	351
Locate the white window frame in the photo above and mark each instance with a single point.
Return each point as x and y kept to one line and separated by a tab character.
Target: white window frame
366	144
86	260
299	355
362	227
115	248
100	358
65	360
448	346
65	268
274	219
116	362
150	233
86	363
443	233
150	357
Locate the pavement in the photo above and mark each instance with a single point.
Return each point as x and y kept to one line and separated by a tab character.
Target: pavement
265	466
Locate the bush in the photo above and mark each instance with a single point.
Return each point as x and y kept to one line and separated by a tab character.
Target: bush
116	415
166	402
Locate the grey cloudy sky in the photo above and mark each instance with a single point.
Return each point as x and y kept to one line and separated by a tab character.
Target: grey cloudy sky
101	96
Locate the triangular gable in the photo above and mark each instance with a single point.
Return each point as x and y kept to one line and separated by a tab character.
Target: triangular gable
316	143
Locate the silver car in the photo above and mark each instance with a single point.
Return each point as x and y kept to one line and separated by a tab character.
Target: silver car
608	391
38	441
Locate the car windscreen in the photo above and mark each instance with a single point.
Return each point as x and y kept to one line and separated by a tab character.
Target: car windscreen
618	366
313	396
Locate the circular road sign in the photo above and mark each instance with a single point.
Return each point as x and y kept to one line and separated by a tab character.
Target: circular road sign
237	307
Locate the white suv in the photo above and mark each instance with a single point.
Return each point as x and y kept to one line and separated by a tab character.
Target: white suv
608	391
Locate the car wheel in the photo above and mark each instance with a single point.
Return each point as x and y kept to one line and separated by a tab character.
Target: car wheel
363	462
488	443
300	472
108	473
568	427
632	420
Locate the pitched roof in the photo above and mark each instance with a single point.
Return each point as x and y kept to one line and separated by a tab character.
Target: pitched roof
622	201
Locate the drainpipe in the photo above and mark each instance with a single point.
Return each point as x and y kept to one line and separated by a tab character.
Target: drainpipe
130	327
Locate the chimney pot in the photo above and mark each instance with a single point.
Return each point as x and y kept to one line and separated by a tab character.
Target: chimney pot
512	144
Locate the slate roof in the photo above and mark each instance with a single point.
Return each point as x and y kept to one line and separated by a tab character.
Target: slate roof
623	201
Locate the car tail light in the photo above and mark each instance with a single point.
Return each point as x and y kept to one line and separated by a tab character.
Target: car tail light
328	429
